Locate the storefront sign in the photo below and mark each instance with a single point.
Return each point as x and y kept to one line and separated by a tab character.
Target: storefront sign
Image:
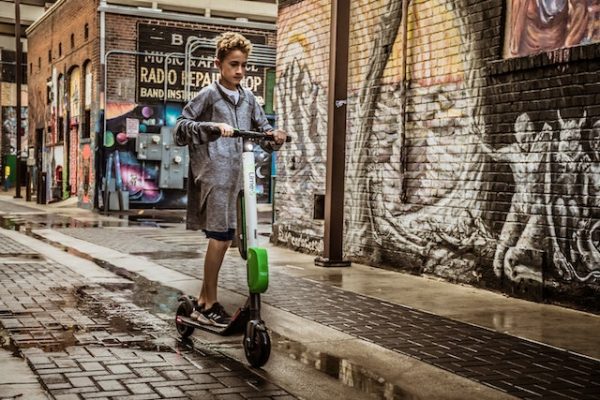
166	45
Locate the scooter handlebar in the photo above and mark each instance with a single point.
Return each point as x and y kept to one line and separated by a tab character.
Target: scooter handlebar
251	134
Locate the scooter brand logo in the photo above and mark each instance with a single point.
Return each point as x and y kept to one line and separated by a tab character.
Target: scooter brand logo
252	182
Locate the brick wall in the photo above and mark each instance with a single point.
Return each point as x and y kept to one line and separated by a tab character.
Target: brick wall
69	18
483	169
59	42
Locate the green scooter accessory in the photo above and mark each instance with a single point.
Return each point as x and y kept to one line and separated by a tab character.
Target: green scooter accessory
258	270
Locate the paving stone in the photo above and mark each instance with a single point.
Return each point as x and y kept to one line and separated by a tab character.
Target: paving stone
81	382
140	397
67	397
110	385
54	386
108	394
92	366
119	369
169	391
139	388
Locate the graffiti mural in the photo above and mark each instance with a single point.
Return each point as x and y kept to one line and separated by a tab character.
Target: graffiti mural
573	228
9	129
423	187
152	170
86	177
74	126
542	25
139	177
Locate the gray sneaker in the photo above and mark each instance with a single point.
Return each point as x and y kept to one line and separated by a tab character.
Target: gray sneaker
216	315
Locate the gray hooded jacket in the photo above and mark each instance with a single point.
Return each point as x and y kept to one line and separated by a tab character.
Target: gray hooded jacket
215	162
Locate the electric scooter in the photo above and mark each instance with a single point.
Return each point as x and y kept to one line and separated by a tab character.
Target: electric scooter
257	343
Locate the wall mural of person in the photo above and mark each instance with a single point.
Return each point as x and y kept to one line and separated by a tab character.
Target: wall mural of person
521	227
588	232
543	25
570	214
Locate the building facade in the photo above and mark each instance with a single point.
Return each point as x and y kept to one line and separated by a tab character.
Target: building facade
107	84
473	140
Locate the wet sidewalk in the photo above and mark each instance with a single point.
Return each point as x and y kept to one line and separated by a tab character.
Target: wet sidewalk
421	337
82	336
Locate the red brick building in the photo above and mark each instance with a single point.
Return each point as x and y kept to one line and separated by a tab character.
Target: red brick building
85	127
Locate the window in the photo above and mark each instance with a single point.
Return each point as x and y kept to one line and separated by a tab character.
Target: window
87	101
72	40
60	49
49	91
86	31
30	68
50	55
39	63
87	124
60	134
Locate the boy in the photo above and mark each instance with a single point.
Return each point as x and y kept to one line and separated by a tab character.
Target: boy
215	161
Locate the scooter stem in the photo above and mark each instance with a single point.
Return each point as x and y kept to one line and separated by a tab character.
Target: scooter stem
249	172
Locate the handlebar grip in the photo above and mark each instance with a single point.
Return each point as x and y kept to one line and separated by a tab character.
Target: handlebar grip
248	134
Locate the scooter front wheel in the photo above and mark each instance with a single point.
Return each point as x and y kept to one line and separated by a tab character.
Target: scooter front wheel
257	348
183	310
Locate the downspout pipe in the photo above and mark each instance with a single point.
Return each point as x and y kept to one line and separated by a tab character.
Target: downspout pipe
403	99
99	149
18	66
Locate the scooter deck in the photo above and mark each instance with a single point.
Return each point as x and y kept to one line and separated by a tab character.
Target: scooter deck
237	324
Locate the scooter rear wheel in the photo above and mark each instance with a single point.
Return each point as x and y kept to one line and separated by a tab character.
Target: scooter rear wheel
257	348
185	310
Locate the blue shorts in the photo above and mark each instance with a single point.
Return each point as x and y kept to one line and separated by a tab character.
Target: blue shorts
221	236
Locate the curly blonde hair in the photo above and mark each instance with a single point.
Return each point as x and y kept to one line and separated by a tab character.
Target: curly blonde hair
230	41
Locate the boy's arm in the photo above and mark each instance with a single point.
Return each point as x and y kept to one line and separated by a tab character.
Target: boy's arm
188	128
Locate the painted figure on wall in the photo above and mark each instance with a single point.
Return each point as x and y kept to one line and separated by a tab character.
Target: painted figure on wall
543	25
521	228
571	220
588	232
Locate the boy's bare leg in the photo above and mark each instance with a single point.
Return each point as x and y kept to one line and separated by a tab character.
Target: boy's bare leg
212	264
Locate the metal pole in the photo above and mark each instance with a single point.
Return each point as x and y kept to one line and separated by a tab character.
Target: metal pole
336	136
18	75
404	88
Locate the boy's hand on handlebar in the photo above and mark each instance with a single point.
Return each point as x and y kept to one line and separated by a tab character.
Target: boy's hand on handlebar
278	135
226	129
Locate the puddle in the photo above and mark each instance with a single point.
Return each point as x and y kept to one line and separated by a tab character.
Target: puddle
51	221
10	224
155	218
6	343
161	255
130	327
154	297
348	373
12	258
333	279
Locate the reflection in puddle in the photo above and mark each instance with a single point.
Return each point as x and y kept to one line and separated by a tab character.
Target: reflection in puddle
345	371
56	221
163	255
333	279
154	297
6	343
